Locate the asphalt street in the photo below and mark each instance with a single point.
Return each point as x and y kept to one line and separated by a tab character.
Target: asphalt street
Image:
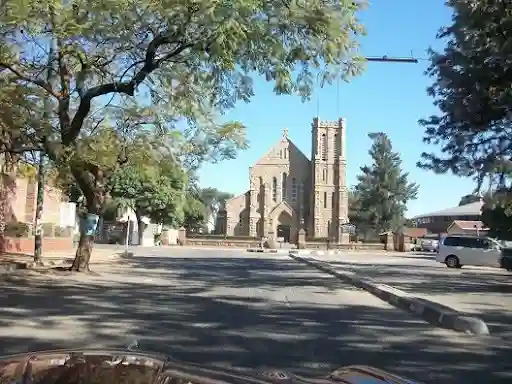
233	308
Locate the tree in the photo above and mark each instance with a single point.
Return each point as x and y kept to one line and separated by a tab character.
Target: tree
497	214
189	56
383	189
354	207
214	201
195	213
468	199
472	89
155	189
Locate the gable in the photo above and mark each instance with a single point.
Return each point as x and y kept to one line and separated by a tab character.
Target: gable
283	152
283	206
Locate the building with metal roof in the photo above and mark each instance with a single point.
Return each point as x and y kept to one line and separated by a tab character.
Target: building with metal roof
439	221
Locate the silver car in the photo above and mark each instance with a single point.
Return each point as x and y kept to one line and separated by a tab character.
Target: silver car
429	245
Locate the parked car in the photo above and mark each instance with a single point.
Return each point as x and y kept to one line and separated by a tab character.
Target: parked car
458	250
429	245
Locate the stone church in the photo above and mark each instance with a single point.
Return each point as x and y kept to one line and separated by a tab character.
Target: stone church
288	191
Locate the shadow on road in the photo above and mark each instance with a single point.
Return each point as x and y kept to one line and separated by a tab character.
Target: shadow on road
488	293
193	310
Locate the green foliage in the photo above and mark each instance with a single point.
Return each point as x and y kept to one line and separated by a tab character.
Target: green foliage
468	199
198	58
497	214
472	89
383	190
214	200
16	229
155	189
195	213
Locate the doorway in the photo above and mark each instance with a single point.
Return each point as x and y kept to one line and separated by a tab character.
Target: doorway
284	232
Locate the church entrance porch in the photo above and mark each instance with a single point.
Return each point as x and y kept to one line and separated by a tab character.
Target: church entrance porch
284	231
283	223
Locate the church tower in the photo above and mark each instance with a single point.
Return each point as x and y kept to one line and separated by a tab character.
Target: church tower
329	198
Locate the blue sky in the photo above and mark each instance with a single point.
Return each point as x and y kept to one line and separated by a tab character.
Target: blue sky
387	97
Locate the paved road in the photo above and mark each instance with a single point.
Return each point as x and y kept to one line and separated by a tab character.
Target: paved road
233	309
485	292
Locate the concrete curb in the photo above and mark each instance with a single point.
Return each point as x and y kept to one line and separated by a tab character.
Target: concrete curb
265	250
430	311
315	252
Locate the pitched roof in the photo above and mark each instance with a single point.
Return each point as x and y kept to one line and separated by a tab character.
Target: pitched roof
471	209
267	157
468	225
415	232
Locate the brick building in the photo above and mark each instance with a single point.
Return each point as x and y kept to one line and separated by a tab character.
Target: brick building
439	221
18	199
288	191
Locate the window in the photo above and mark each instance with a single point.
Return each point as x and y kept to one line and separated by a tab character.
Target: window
324	176
283	186
294	190
324	147
325	199
274	189
285	153
466	242
336	146
281	154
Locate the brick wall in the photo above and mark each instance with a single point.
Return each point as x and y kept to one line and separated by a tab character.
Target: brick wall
25	245
19	201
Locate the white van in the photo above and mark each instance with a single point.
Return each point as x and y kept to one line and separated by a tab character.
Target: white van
456	251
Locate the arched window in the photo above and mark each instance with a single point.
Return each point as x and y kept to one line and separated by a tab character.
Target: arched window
324	174
294	190
325	199
324	147
261	181
285	153
336	146
283	186
274	189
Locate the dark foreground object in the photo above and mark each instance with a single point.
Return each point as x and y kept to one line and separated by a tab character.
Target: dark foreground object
118	366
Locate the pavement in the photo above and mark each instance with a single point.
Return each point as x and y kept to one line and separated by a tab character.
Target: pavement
15	261
238	309
482	292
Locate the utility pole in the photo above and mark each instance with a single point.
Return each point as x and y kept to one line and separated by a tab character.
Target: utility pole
38	239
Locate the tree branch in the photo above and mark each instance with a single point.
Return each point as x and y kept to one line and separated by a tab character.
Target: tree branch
127	87
41	83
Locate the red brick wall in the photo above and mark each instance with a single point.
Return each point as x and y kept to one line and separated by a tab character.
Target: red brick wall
19	201
25	245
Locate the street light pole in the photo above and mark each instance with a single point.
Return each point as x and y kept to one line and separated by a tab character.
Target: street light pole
38	239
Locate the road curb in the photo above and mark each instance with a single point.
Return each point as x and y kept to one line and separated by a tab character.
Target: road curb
265	250
430	311
314	252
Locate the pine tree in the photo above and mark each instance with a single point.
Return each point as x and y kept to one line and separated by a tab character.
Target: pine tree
473	90
383	189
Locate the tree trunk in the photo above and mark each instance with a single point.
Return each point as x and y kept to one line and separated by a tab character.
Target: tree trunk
94	197
141	226
38	239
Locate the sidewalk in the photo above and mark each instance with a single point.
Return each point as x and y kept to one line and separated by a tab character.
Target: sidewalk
10	261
